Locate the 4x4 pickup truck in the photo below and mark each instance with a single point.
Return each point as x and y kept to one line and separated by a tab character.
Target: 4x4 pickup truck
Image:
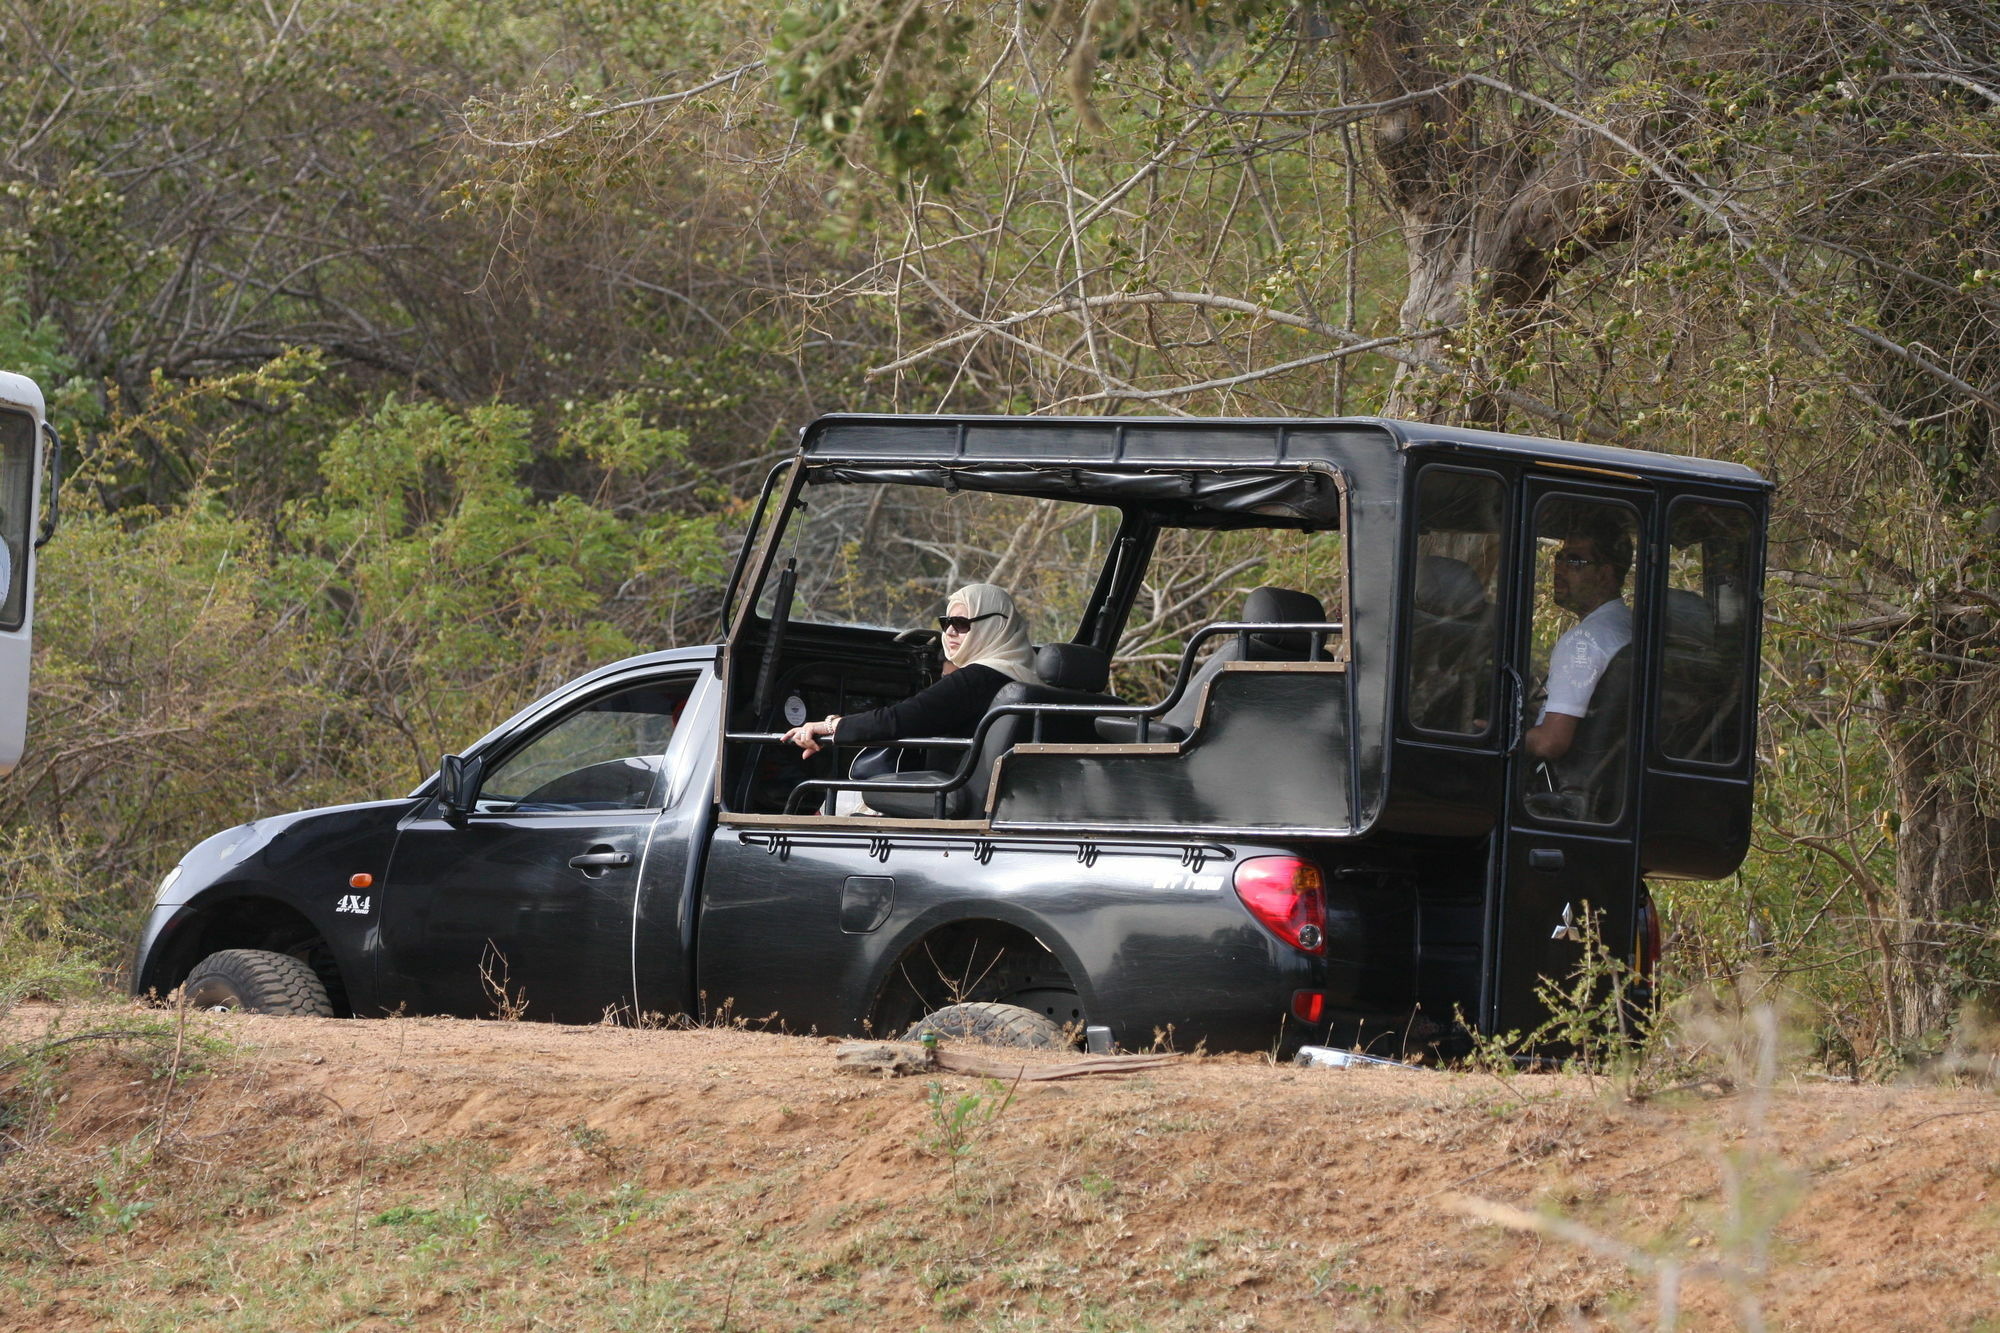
1336	823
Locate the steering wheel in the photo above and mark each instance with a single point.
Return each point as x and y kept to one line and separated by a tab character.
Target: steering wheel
918	635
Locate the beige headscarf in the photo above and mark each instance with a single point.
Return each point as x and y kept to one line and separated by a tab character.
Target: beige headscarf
1000	644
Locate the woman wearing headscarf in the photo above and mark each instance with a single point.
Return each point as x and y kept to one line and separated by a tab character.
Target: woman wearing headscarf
986	643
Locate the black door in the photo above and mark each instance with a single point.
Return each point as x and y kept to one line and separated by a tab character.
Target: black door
1568	861
527	903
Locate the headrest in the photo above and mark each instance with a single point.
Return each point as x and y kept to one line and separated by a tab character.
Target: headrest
1690	621
1073	666
1281	605
1276	605
1448	588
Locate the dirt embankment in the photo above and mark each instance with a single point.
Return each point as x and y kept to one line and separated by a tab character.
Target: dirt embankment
443	1174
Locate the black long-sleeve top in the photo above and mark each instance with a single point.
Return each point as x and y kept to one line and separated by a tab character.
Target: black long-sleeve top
951	707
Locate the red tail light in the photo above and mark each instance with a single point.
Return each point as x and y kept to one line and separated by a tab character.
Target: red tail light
1285	894
1649	945
1309	1006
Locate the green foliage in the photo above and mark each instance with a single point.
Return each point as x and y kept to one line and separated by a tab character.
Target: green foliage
373	327
898	73
429	554
166	704
45	965
196	667
960	1122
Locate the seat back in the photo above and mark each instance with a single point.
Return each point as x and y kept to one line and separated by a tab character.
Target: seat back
1077	674
1261	606
1699	692
1592	772
1277	606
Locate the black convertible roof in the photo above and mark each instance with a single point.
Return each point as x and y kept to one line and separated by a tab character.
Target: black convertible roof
1166	442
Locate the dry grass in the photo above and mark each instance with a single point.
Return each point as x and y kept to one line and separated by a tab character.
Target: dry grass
443	1174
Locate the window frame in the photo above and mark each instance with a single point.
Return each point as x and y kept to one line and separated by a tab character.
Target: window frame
17	527
1641	509
1501	610
1748	668
541	727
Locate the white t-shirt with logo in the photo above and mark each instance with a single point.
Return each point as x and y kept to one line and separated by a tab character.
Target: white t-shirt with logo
1581	655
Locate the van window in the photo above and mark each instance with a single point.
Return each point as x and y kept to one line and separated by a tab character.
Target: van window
17	492
1704	660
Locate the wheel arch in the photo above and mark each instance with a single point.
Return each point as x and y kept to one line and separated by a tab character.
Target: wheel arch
240	917
929	945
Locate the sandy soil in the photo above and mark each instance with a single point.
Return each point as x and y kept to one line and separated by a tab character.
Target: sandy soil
1217	1192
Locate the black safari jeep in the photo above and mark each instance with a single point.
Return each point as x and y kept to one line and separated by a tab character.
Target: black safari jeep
1345	814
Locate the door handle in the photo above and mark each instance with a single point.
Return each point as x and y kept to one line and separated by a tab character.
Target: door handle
593	860
1539	858
1514	721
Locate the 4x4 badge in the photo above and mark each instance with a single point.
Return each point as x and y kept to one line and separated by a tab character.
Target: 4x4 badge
354	903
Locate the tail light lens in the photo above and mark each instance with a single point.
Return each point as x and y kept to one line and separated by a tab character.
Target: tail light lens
1649	943
1287	896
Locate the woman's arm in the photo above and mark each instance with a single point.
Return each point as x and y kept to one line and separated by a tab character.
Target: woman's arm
951	707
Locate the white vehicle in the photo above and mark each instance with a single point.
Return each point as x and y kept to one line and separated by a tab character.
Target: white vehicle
27	442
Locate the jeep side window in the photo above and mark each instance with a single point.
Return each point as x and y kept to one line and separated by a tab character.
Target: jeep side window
605	755
1704	666
1580	714
1454	632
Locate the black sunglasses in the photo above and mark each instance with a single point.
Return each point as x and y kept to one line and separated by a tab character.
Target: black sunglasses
964	624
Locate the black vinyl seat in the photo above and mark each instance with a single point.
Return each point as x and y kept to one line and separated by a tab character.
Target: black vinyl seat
1076	674
1266	606
1700	692
1589	780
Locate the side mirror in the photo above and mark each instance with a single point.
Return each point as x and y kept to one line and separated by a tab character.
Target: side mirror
458	784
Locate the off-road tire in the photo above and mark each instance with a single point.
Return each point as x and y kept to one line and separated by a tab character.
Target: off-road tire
257	981
992	1025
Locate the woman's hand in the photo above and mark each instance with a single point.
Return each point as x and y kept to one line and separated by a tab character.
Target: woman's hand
807	735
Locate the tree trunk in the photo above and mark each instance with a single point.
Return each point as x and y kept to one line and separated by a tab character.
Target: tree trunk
1939	743
1496	201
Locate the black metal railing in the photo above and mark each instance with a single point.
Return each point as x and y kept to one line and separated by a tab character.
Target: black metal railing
1144	714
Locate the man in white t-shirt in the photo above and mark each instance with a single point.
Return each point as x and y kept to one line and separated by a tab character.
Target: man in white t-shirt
1588	581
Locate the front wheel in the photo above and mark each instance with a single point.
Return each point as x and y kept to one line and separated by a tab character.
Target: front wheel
992	1025
258	981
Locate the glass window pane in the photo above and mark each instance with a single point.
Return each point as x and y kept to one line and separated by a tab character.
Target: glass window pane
1581	659
1454	633
17	493
1704	662
604	756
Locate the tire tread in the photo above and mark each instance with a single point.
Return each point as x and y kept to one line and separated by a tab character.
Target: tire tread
267	982
993	1024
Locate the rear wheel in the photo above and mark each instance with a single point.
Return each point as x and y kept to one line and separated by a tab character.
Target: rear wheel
992	1025
258	981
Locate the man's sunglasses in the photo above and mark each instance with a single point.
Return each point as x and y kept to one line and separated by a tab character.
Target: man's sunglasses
964	624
